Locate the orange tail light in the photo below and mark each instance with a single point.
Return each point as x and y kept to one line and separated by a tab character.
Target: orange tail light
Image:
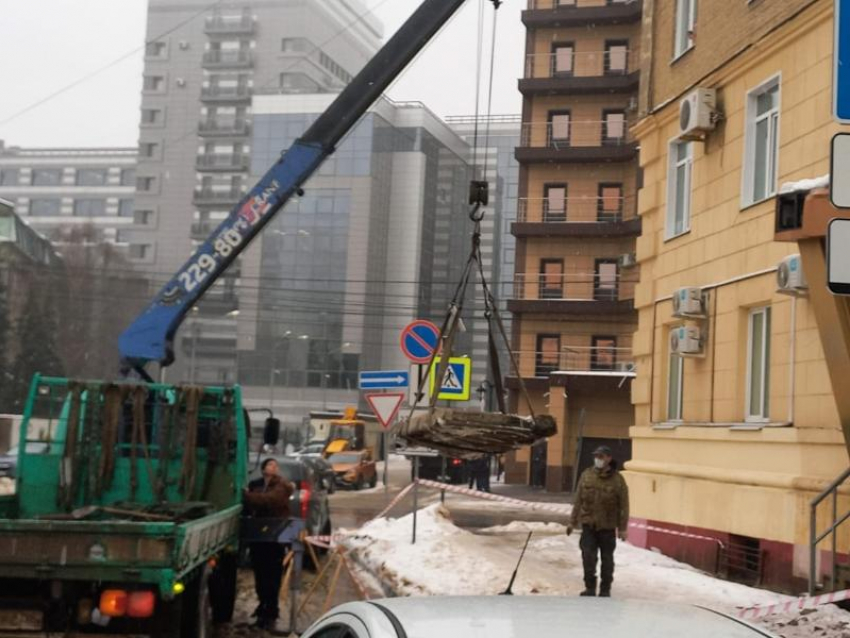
113	602
140	604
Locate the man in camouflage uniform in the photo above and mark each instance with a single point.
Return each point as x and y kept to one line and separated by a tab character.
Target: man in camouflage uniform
602	509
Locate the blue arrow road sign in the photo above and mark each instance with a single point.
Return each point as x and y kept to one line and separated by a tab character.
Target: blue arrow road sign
384	379
841	62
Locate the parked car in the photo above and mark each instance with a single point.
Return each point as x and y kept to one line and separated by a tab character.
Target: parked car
522	616
354	469
310	498
9	460
431	467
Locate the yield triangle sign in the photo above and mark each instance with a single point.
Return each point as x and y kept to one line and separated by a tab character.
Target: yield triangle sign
385	405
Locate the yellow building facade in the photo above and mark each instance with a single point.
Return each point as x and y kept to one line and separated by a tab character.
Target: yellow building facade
736	425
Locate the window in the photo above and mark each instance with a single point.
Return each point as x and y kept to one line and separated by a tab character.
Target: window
551	279
562	59
758	365
148	149
762	143
45	207
675	370
153	83
609	205
686	11
605	280
46	176
151	116
293	45
155	49
559	128
603	353
91	176
680	167
128	176
9	177
555	203
89	207
145	184
125	207
613	127
142	217
547	355
616	57
139	251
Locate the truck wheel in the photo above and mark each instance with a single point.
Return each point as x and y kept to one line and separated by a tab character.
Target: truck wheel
373	481
223	587
359	484
196	620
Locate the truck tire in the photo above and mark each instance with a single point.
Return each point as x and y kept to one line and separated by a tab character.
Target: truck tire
374	480
223	587
196	619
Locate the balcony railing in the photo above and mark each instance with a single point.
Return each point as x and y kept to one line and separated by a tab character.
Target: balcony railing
575	134
225	93
580	210
541	5
574	286
202	230
231	59
575	359
218	128
229	24
223	162
213	197
581	64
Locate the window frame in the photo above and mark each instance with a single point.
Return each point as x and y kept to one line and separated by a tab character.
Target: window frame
751	121
764	401
595	363
679	383
606	65
560	288
691	6
547	214
45	171
673	165
538	352
554	72
606	139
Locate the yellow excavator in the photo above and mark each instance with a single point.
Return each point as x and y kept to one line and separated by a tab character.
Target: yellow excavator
347	434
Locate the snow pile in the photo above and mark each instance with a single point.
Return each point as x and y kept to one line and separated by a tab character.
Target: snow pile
447	560
804	185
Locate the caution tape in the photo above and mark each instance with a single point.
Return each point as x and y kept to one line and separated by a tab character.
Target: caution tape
489	496
796	604
673	532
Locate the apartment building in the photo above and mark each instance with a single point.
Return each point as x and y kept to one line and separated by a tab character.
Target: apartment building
737	422
58	190
572	298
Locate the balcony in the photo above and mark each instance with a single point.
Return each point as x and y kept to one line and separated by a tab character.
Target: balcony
226	94
580	13
212	197
229	25
227	60
568	141
219	128
580	73
203	229
216	162
575	359
577	217
574	293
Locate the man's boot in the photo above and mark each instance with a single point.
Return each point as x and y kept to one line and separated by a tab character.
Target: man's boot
589	588
605	592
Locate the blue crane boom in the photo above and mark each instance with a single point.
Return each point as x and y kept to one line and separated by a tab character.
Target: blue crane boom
150	337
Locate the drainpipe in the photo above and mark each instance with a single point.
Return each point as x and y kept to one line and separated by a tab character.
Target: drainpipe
792	359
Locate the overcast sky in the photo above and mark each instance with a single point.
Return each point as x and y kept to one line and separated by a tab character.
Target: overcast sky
45	45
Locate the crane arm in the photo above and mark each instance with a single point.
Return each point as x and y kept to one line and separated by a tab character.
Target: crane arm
150	337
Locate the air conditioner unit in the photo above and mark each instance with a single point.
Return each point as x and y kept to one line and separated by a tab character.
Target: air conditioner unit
624	366
688	302
183	44
697	114
181	82
633	104
627	260
789	276
685	340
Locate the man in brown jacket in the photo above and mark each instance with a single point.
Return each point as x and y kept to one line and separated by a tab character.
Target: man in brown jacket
268	497
601	507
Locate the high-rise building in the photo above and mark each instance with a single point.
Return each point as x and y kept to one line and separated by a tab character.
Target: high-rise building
572	299
60	190
202	67
327	288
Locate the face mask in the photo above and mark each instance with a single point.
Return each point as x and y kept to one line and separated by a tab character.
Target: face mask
599	463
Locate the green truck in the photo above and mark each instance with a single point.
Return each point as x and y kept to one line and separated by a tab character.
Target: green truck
129	522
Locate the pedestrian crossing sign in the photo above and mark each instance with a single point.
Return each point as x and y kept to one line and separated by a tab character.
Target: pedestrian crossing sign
456	383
